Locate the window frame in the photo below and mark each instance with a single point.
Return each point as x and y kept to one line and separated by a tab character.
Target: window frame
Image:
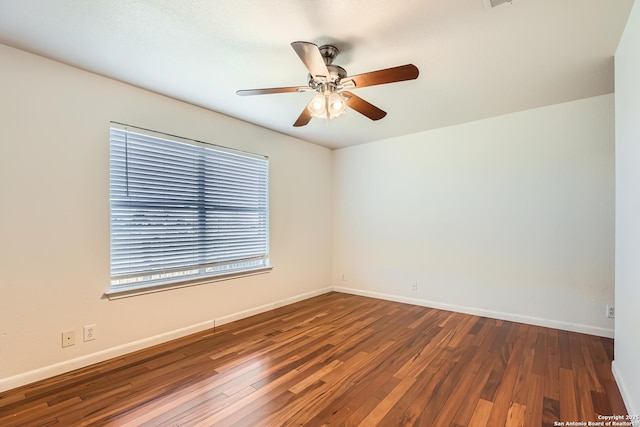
207	272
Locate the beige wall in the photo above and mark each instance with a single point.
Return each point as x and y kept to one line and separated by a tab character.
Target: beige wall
510	217
627	340
54	219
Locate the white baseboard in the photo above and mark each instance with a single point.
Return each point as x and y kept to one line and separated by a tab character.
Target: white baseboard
100	356
566	326
626	397
270	306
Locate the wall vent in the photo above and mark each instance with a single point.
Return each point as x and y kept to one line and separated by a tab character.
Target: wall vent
489	4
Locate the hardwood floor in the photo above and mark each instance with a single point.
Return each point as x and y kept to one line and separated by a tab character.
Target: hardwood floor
338	360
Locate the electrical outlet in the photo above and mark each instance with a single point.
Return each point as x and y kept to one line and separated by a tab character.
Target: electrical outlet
343	277
89	332
414	286
611	311
68	338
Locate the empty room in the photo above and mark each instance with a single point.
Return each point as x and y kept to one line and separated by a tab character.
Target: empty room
319	213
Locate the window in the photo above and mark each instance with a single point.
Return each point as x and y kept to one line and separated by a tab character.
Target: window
183	210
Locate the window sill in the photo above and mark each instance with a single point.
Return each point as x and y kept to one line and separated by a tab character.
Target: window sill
126	293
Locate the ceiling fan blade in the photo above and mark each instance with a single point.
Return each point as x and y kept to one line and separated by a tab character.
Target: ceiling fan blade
363	107
303	119
248	92
388	75
312	59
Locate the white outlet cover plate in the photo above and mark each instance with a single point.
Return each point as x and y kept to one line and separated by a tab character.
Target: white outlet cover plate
89	332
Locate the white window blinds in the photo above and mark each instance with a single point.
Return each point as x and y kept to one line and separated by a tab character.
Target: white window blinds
182	210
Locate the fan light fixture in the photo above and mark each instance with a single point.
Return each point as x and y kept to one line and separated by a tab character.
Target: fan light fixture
327	104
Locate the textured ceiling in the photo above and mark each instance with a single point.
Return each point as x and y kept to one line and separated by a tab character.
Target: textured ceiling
474	62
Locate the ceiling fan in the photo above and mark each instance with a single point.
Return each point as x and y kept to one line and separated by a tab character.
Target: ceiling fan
331	83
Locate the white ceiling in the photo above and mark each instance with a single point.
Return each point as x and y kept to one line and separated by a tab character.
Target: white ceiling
474	62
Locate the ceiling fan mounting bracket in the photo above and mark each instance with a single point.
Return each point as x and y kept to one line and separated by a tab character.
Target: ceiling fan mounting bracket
329	53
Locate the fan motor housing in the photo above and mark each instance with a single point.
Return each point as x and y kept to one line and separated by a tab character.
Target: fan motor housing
336	73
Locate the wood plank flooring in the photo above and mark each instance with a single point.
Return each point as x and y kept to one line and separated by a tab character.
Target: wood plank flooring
338	360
